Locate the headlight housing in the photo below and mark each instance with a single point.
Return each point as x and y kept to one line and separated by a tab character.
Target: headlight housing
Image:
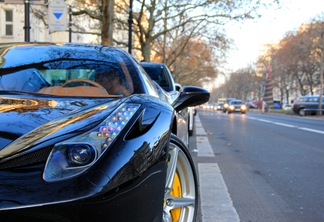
243	107
74	156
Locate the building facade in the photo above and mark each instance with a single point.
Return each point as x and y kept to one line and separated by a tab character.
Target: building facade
13	27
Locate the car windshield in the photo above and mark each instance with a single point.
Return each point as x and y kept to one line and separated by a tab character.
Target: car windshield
69	77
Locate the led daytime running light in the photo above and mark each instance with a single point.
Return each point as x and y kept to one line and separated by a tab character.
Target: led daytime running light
114	125
73	156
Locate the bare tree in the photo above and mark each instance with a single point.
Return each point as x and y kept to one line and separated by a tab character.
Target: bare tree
297	64
195	65
243	84
298	55
107	22
98	14
164	29
155	19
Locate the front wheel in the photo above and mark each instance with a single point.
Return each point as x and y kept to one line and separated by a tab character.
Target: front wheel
181	188
301	111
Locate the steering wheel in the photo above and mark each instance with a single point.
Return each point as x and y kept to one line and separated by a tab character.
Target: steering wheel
92	83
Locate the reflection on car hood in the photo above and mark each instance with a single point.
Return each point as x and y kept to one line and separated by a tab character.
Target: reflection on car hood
35	120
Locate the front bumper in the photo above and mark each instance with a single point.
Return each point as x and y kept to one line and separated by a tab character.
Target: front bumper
140	200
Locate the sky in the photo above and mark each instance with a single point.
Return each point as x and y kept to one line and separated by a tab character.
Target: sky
250	36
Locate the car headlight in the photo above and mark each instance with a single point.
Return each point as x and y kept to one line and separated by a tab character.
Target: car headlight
243	107
74	156
231	107
226	105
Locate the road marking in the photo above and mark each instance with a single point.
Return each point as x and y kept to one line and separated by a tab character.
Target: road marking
283	124
311	130
288	125
263	120
216	203
204	149
198	127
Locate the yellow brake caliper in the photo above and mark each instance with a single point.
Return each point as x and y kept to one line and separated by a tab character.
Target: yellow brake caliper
176	192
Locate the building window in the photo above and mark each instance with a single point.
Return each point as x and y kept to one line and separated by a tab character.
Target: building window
9	22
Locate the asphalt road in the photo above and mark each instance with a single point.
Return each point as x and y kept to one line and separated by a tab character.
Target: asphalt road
259	167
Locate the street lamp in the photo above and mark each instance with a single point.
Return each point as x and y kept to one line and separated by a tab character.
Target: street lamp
130	23
70	24
27	21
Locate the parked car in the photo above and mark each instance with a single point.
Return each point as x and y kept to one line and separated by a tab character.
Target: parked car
85	135
161	74
287	107
226	104
219	106
208	106
237	106
307	105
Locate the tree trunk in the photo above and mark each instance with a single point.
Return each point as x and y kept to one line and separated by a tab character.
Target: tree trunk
146	51
107	22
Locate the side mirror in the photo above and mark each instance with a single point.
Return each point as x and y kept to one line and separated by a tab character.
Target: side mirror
191	96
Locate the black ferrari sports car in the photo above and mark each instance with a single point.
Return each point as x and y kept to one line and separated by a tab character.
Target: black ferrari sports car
85	135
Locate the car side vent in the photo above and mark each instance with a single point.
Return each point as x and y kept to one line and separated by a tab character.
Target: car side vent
142	125
37	156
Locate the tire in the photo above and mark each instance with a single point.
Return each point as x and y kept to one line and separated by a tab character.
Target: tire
181	188
301	112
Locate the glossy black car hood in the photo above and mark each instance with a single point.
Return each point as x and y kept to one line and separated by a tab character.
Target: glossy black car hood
31	125
33	120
